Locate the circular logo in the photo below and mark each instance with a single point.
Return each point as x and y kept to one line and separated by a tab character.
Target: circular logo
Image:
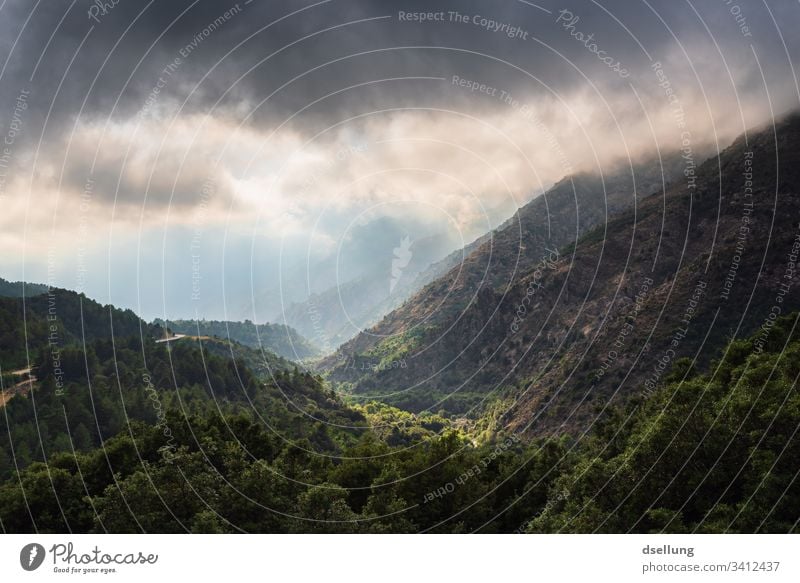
31	556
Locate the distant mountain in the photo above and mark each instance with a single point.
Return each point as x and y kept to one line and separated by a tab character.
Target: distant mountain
282	340
339	313
580	298
16	289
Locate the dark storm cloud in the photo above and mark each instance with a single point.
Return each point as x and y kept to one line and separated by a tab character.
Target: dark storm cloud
127	60
117	56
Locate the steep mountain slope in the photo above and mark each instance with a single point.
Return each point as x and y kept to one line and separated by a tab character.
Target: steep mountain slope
552	334
492	265
678	280
557	218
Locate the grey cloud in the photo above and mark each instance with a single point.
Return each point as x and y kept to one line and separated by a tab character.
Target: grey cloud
75	66
170	27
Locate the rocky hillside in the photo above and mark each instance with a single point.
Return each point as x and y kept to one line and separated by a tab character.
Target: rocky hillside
542	330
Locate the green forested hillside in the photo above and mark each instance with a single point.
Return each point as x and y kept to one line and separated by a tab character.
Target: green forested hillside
92	370
18	289
708	453
57	319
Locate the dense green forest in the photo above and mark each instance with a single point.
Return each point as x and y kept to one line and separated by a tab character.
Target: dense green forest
714	452
99	389
60	318
145	438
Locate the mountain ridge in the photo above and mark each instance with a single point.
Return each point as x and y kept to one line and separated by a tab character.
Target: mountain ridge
280	339
538	345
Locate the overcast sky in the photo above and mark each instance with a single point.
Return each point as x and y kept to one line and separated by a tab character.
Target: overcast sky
180	157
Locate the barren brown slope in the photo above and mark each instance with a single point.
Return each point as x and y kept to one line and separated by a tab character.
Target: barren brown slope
557	218
570	335
432	328
706	266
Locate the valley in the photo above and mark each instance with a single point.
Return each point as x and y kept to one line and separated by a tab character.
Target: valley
597	339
